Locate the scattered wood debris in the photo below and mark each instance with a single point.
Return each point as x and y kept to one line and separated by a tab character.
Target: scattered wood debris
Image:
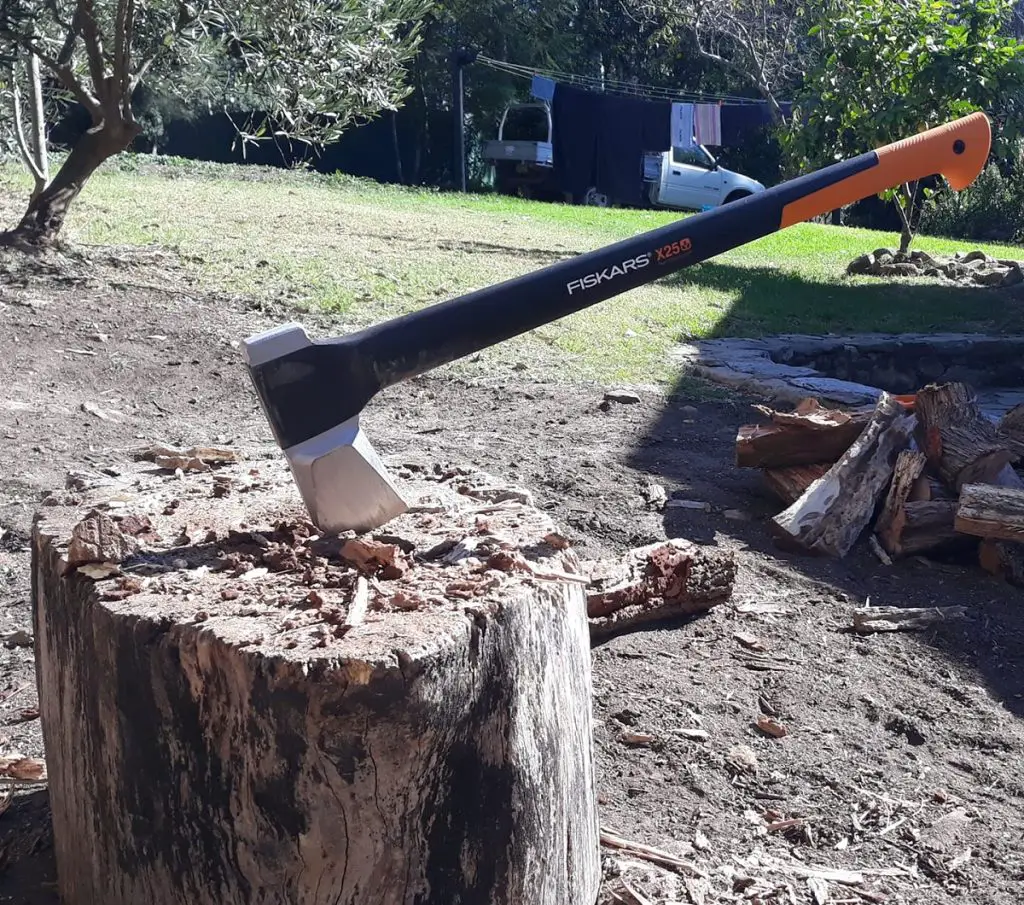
193	458
18	768
656	582
869	619
99	539
17	638
650	853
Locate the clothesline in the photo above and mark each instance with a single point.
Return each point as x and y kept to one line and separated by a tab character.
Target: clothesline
613	86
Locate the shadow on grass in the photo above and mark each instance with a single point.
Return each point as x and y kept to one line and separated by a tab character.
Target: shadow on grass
690	448
770	300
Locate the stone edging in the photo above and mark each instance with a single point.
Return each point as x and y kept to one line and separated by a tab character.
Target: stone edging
757	366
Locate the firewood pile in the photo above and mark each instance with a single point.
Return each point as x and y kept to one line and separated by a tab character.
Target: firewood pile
915	473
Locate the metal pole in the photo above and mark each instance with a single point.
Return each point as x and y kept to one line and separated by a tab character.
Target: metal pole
459	115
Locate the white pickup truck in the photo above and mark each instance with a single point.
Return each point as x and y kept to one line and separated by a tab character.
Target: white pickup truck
682	179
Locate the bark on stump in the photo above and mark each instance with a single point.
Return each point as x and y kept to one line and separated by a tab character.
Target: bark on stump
216	732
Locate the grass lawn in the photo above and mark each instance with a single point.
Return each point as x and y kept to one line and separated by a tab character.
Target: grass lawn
365	252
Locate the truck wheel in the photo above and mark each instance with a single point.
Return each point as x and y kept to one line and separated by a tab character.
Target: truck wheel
735	196
594	198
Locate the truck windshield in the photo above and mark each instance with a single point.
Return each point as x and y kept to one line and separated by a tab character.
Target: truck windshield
694	156
528	123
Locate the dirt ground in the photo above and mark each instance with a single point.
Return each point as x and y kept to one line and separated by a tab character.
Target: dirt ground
903	753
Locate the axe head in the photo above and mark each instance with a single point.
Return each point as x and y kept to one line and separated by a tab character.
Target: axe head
342	480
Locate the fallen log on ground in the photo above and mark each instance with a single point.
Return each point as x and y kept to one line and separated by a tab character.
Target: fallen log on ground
896	619
834	511
233	712
985	510
790	483
655	583
809	435
961	444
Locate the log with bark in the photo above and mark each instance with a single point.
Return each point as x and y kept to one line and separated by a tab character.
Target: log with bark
655	583
1011	431
234	711
985	510
834	511
809	435
962	445
889	525
789	484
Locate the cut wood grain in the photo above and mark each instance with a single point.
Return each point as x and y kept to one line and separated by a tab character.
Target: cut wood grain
811	434
889	526
961	444
833	512
223	735
993	512
790	483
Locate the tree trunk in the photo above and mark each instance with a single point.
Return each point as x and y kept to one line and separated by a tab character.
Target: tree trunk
397	148
44	219
220	733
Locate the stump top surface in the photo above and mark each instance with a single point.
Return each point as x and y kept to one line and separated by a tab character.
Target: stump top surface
231	552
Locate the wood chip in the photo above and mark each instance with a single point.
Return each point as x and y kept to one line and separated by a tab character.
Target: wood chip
637	739
751	642
650	853
624	894
98	571
22	769
357	606
819	890
17	638
94	410
694	735
771	727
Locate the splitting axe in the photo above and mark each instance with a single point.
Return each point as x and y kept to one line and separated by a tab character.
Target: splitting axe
313	391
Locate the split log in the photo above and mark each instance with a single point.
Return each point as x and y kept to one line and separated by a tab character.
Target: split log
809	435
898	619
219	729
655	583
1003	559
988	511
889	526
789	484
834	511
962	445
927	526
1011	431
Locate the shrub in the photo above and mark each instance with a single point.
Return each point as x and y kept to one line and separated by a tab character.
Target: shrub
991	209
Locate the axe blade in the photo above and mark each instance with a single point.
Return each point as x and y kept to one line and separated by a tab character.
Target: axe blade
343	483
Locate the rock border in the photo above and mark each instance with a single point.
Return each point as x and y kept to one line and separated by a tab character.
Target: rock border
757	365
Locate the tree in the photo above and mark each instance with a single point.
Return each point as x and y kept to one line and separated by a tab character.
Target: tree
890	69
314	67
760	42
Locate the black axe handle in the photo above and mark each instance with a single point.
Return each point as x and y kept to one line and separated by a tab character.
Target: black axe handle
314	389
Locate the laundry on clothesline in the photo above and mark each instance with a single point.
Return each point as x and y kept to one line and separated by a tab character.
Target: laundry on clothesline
707	124
682	125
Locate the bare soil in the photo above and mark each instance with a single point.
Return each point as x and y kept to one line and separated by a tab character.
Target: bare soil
903	751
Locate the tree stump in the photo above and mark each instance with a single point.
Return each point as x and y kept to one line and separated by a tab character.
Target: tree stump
235	710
